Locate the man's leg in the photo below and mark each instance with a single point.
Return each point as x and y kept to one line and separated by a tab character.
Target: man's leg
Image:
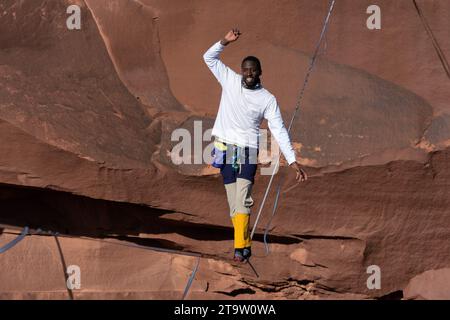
238	186
229	180
239	202
241	219
244	183
230	188
240	238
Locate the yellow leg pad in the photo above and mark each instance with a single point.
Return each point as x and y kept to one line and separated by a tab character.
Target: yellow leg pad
241	230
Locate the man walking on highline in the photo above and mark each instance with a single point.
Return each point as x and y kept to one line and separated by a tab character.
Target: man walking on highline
243	105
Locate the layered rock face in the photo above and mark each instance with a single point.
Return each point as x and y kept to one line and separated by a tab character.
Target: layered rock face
86	123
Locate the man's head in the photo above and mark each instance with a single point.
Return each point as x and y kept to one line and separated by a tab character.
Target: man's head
251	71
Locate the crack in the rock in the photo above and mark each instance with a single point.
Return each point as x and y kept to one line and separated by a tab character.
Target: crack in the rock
271	287
311	236
236	292
224	273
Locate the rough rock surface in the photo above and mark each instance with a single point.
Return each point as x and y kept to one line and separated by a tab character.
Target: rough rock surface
432	285
86	118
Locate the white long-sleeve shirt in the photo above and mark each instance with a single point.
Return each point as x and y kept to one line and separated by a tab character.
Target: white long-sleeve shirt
241	110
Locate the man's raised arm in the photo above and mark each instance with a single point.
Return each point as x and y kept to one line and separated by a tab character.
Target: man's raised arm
211	57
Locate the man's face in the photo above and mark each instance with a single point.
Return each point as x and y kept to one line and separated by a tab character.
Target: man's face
250	73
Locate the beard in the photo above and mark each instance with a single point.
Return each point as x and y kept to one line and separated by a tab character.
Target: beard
251	82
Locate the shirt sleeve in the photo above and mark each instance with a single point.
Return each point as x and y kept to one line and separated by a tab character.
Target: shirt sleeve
277	128
222	73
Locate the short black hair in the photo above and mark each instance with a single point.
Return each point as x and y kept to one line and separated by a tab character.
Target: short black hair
254	59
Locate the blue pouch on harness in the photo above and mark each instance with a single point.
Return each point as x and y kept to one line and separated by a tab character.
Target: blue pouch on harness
219	153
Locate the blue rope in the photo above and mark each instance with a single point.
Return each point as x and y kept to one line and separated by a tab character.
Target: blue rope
11	244
191	278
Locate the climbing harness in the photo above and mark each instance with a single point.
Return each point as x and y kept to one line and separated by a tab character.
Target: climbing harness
236	160
221	155
297	107
227	153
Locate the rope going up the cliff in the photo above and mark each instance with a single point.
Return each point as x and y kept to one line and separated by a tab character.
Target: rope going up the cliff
297	107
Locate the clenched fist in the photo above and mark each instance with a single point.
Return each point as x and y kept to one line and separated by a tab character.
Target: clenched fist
231	36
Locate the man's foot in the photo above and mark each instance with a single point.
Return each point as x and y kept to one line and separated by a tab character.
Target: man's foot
247	252
239	255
